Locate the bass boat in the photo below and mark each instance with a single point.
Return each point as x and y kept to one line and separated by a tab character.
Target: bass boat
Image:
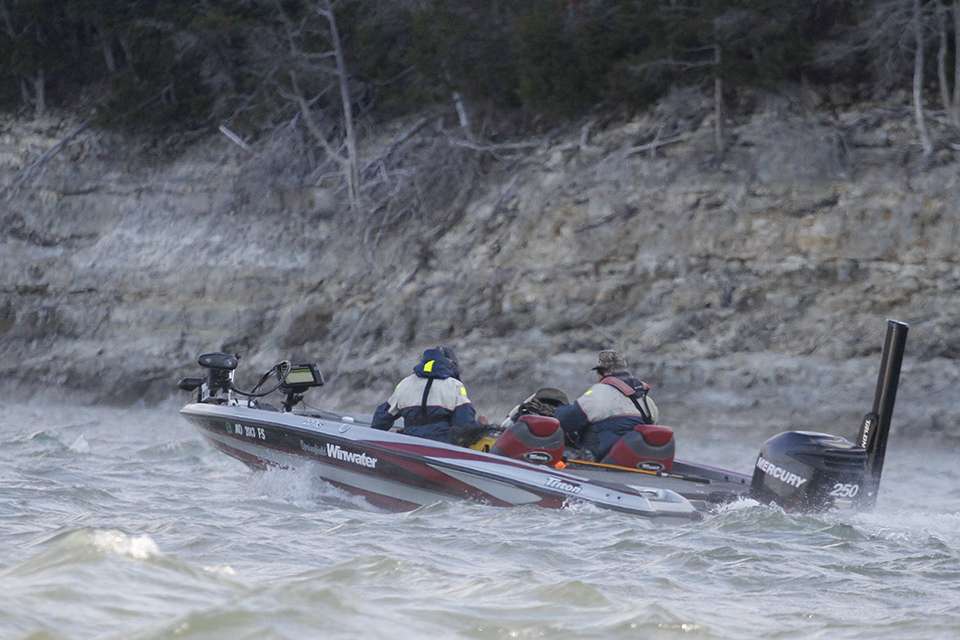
525	461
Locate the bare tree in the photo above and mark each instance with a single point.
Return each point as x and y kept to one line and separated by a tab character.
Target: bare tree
106	47
945	97
718	101
39	93
312	78
956	62
949	100
696	61
890	30
37	79
918	39
462	116
7	20
349	161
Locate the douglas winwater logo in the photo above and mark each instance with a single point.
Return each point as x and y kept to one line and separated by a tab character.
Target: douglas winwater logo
337	452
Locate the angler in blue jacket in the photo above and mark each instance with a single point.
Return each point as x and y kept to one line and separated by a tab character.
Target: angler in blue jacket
608	409
432	401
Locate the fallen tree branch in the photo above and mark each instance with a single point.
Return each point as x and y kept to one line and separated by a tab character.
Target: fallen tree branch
493	148
312	126
28	172
235	138
585	145
656	144
397	143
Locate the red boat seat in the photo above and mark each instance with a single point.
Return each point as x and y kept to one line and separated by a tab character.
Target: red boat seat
654	434
648	446
536	439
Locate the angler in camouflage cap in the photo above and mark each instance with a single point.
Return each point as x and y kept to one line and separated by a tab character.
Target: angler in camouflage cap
610	361
610	408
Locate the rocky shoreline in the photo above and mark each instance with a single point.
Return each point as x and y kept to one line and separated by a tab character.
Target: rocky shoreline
751	291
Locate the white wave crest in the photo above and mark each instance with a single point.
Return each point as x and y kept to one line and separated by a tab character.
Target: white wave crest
737	505
909	527
140	547
220	569
303	487
289	485
80	445
572	505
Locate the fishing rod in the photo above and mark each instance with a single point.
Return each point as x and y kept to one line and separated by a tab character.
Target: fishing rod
648	472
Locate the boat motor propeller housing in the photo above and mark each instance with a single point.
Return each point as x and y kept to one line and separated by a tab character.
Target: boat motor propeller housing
808	471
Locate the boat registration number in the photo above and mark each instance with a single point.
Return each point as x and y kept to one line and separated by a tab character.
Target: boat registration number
257	433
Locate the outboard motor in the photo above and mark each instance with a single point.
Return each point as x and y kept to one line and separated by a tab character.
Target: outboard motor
807	471
812	471
648	446
532	438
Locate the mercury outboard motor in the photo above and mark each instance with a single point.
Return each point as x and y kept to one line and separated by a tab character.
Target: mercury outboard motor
803	470
807	471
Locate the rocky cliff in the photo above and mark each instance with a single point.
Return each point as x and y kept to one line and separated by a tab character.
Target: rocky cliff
750	291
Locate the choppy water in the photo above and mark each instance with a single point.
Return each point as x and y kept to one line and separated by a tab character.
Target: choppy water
123	524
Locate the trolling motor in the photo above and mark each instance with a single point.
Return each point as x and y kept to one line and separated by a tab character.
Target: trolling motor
804	470
220	368
292	379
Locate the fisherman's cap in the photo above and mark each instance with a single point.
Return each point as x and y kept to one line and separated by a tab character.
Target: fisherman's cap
609	360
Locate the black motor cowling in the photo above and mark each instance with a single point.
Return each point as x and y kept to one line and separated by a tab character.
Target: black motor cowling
808	471
803	470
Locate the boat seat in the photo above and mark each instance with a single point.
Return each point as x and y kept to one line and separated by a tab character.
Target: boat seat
533	438
648	446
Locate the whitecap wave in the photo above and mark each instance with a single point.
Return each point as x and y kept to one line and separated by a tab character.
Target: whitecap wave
572	505
304	488
738	505
220	570
83	546
289	485
141	547
80	445
906	526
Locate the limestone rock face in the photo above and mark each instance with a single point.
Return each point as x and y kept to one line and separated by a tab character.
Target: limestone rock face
751	292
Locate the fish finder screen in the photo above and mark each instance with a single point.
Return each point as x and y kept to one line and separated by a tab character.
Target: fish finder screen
300	375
